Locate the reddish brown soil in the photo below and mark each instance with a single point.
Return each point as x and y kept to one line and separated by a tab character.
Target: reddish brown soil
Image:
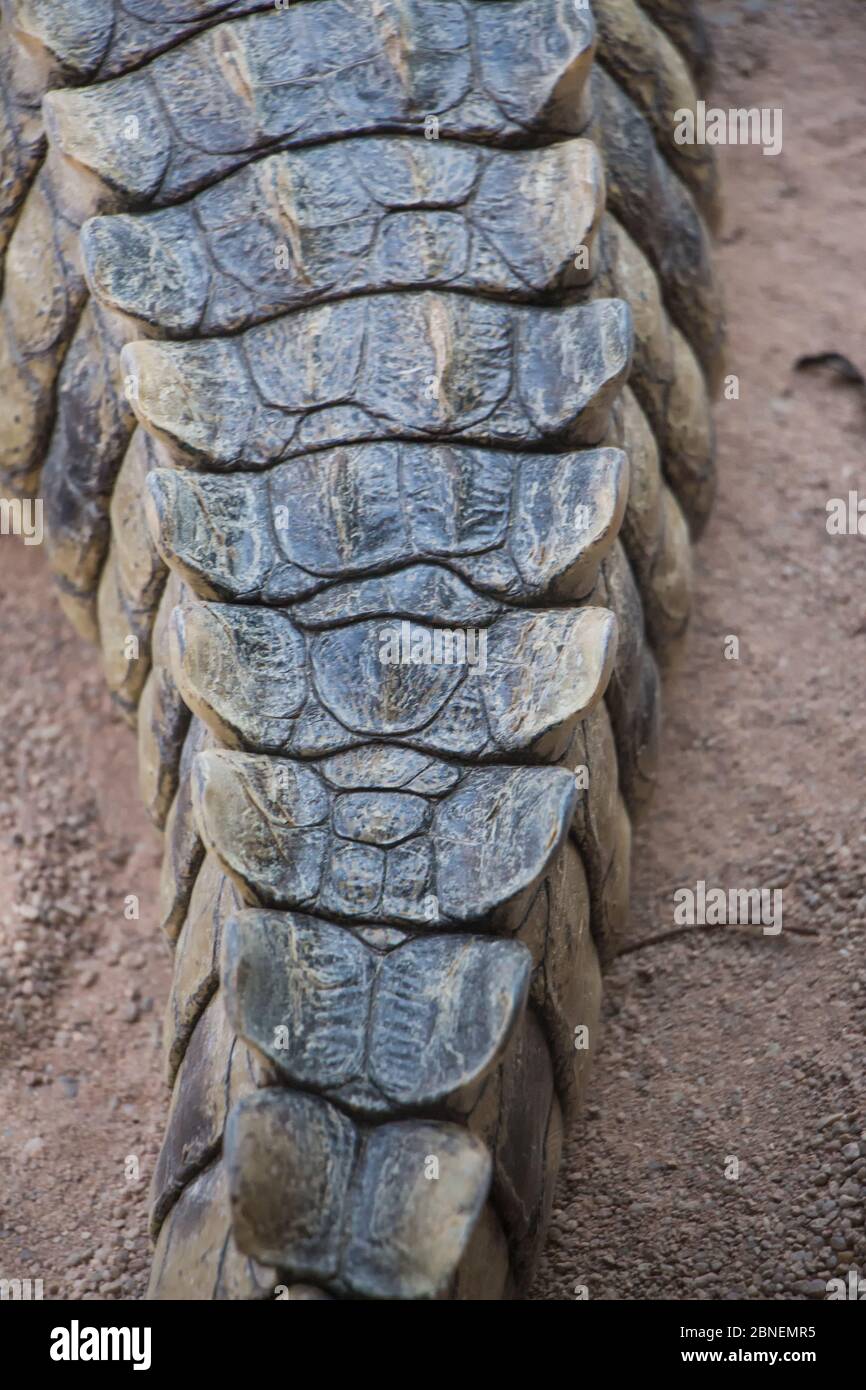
81	985
729	1043
719	1044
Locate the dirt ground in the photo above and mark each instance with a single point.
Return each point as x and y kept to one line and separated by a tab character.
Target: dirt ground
719	1045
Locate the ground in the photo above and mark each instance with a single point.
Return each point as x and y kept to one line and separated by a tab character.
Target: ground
724	1050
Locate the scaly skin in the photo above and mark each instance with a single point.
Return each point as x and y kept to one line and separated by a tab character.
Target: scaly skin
382	396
